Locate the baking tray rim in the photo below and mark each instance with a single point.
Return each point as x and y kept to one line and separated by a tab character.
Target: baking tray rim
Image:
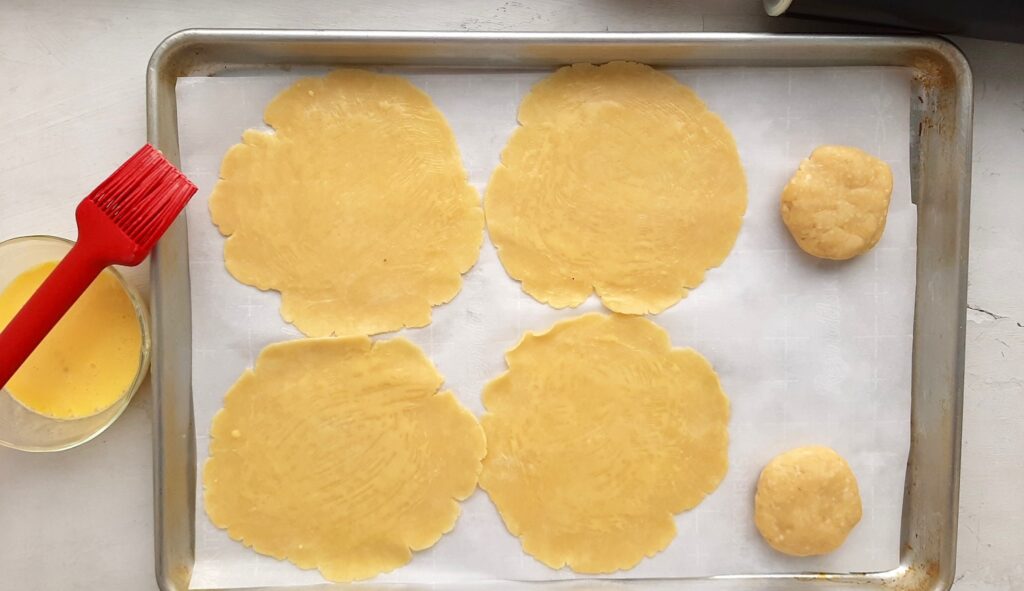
940	172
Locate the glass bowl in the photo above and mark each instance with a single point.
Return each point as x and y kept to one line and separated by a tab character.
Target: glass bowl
21	428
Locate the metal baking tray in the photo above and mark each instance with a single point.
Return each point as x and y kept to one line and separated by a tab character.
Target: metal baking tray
940	165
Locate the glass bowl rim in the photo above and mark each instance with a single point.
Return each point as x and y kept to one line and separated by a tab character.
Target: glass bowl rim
141	372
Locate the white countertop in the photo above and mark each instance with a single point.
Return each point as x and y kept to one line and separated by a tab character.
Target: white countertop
72	107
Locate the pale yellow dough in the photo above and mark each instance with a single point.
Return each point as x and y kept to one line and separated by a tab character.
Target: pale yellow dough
619	180
357	209
598	433
807	501
340	454
837	201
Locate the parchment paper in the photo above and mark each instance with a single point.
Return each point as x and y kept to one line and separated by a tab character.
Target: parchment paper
809	351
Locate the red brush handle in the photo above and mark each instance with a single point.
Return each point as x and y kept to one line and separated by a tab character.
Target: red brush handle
47	306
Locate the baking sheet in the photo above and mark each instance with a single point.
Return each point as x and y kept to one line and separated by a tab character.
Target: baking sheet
809	351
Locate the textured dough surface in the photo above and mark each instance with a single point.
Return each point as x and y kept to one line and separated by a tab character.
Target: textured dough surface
807	501
598	433
837	201
619	180
340	454
357	209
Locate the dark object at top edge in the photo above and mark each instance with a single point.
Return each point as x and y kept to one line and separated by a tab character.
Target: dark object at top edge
999	20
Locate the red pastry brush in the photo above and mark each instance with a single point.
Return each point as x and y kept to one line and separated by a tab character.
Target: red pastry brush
118	224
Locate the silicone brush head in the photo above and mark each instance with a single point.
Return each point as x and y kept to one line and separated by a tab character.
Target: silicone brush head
141	199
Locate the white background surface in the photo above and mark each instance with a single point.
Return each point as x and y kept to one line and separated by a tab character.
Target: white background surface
808	351
72	107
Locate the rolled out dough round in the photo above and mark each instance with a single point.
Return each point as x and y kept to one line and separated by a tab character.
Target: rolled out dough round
807	501
356	208
598	433
837	201
339	454
619	180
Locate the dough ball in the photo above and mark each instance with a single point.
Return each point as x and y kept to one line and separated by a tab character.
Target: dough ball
618	181
356	208
598	433
836	203
341	455
807	501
